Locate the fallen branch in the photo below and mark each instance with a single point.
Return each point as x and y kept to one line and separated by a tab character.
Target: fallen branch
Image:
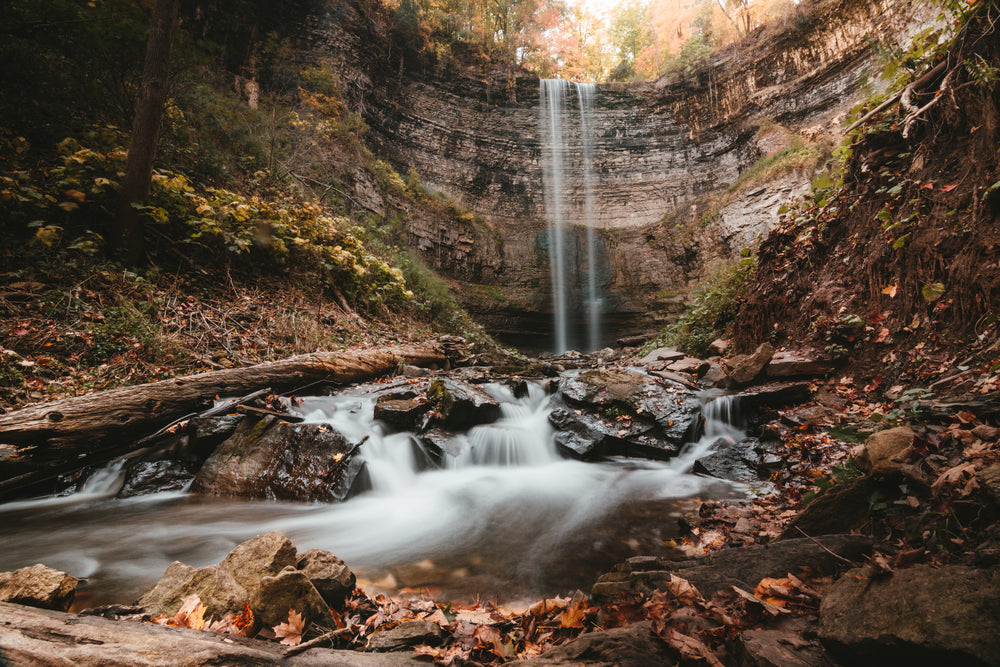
917	85
916	113
305	646
824	548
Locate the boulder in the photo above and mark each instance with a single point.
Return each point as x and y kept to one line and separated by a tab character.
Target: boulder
743	369
38	586
662	354
737	461
289	589
675	409
588	437
743	567
399	412
406	635
885	452
799	363
259	557
719	346
218	590
277	460
945	615
332	578
715	376
462	405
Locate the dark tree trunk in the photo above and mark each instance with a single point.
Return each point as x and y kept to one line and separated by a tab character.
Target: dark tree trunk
146	130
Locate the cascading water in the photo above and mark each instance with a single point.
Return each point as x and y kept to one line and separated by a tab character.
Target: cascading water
562	148
503	515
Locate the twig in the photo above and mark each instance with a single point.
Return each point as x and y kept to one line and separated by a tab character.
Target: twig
305	646
915	86
824	548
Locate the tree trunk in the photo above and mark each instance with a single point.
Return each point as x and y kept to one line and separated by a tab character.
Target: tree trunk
38	637
146	130
53	438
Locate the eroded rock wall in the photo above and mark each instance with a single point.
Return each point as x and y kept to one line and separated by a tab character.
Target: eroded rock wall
659	148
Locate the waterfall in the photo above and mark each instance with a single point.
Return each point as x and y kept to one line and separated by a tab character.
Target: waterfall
557	141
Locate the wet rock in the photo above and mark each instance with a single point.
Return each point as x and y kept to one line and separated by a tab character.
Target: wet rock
440	444
743	369
144	477
632	646
281	461
799	363
946	615
689	365
588	437
399	412
737	461
743	567
38	586
289	589
662	354
885	452
406	635
675	409
218	590
840	509
775	395
259	557
462	405
332	578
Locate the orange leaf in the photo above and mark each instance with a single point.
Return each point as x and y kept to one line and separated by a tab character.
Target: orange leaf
949	187
291	632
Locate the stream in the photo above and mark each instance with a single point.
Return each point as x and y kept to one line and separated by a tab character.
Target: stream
505	518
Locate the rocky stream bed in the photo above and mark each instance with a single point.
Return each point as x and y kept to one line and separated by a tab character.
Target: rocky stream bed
587	509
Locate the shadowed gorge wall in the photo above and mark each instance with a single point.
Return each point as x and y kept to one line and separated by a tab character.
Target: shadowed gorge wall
659	147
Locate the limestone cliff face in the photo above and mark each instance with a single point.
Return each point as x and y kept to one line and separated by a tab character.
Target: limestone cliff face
659	147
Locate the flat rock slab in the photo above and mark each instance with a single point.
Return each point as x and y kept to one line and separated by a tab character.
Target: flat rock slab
775	395
743	567
462	405
631	646
406	635
799	363
41	638
588	437
920	615
737	461
781	648
662	354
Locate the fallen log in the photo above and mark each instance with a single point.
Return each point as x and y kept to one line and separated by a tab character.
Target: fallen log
99	426
38	637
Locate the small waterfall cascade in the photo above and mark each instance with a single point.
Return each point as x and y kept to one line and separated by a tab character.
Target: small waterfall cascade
567	164
722	420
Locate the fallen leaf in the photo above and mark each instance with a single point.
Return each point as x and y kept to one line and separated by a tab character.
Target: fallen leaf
290	632
891	290
688	647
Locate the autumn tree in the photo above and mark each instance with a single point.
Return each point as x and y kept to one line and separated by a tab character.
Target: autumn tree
632	34
146	130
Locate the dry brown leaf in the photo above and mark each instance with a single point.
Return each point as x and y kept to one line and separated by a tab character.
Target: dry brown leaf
683	590
574	614
952	477
190	615
689	647
291	632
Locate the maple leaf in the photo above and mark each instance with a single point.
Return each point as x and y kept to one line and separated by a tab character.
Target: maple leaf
190	615
290	632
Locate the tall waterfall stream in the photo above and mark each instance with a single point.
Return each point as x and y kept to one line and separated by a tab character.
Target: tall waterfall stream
506	517
567	143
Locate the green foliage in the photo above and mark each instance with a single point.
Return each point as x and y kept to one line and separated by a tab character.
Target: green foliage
799	153
716	302
840	332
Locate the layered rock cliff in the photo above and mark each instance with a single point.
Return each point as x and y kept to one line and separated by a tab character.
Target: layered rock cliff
662	148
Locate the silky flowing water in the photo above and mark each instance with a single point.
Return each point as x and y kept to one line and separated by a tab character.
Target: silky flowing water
505	517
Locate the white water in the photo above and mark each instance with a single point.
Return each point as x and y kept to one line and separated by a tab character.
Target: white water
506	516
565	143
